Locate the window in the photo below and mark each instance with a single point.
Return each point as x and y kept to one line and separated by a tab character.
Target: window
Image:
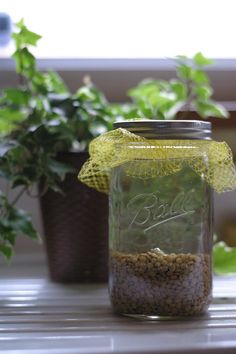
122	42
127	28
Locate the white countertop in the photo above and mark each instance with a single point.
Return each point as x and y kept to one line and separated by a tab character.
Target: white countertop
40	317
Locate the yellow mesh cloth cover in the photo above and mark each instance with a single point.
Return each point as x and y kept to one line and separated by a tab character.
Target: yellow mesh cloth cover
211	160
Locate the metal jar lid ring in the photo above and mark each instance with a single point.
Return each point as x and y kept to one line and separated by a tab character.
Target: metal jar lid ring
168	129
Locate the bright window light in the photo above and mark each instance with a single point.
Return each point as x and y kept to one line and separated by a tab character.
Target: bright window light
127	28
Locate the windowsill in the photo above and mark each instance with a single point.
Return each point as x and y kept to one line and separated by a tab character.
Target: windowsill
40	317
116	76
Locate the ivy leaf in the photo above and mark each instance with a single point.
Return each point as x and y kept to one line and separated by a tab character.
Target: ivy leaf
41	127
11	115
29	37
224	259
201	60
13	222
6	127
55	83
22	223
25	36
9	118
25	62
20	23
6	146
37	80
16	96
59	168
84	93
18	62
20	180
6	250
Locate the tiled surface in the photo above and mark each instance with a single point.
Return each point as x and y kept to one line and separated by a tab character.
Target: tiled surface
39	317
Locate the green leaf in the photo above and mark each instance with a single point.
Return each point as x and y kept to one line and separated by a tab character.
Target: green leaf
17	39
201	60
16	96
28	60
184	72
5	147
55	83
38	83
224	259
41	126
122	111
11	115
179	88
203	92
171	111
20	23
153	97
25	62
85	93
25	36
145	109
6	250
181	58
59	168
9	118
20	180
6	128
18	62
29	37
13	222
21	221
161	99
199	77
210	109
148	88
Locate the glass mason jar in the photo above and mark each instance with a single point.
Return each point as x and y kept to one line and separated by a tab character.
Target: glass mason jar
160	237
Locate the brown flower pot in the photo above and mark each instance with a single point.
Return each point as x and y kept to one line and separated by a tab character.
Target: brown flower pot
76	228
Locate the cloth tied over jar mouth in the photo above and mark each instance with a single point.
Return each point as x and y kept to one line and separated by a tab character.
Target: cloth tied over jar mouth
145	159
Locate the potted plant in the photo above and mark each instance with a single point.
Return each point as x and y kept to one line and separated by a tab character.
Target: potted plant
190	90
45	131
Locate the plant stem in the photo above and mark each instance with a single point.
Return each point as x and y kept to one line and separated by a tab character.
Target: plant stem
7	189
189	100
18	196
41	192
21	80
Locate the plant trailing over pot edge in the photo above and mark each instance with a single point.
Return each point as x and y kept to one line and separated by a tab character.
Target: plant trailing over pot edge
39	119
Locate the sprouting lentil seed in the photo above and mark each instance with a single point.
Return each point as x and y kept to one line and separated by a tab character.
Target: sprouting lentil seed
154	283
